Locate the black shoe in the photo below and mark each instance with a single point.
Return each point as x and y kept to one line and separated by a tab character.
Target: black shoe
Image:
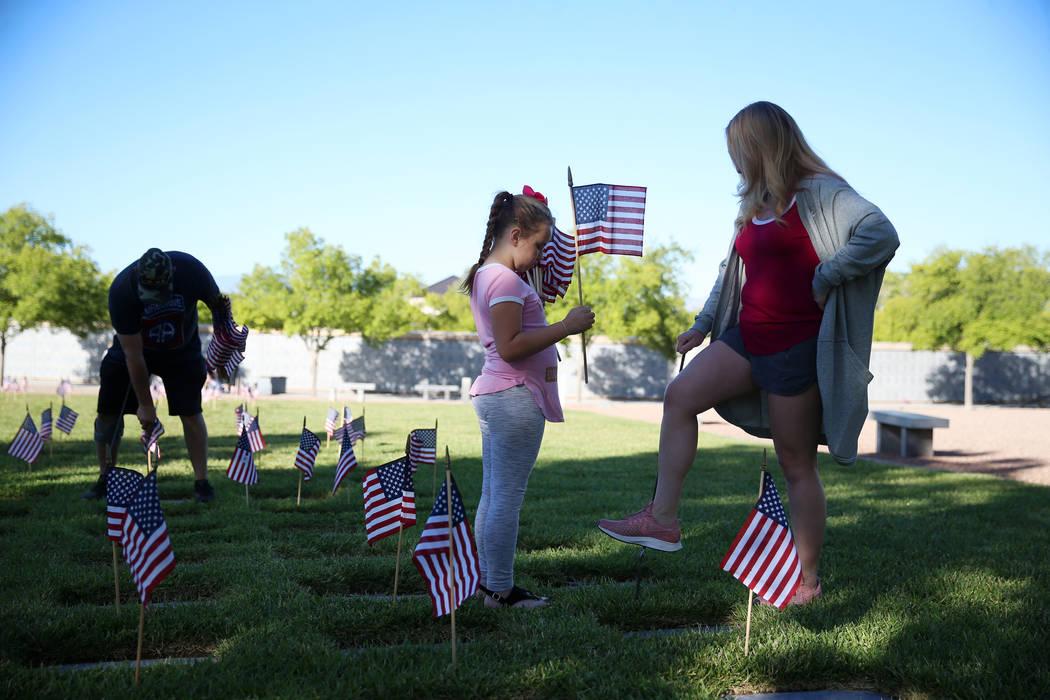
517	598
203	492
97	491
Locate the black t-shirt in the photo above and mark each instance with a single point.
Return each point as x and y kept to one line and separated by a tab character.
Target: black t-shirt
168	330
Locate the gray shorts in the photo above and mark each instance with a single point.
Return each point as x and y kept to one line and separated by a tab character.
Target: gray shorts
785	373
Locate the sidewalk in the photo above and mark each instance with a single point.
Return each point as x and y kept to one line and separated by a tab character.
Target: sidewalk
1013	443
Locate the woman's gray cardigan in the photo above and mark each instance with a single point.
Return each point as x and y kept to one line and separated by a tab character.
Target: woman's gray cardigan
854	242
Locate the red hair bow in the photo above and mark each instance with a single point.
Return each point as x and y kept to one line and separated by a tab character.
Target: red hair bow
528	191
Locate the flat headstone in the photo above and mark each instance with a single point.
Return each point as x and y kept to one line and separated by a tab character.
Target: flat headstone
814	695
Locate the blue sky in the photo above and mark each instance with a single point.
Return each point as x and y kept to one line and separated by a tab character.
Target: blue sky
215	128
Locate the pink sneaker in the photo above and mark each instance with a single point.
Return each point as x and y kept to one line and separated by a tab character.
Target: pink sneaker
803	594
642	529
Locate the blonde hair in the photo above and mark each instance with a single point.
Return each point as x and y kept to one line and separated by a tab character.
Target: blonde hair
508	209
772	155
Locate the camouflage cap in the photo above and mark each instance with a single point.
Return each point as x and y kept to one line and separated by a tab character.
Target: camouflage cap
154	271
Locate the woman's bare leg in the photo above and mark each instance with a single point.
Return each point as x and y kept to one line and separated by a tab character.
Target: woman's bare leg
716	374
795	423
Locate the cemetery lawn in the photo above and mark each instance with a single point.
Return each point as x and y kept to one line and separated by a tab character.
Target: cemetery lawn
935	584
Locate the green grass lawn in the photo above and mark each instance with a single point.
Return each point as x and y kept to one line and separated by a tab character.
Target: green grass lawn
936	584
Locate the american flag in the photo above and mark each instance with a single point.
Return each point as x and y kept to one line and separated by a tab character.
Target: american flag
763	555
307	454
242	464
555	268
120	485
255	436
144	538
357	429
239	414
226	349
348	417
390	499
330	421
431	555
150	438
347	461
45	425
609	219
27	444
422	447
67	418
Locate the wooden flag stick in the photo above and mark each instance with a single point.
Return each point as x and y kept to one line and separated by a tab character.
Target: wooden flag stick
246	493
579	273
397	562
451	547
138	654
116	578
751	593
434	472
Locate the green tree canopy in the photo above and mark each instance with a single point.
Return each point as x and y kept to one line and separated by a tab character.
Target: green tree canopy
320	290
971	302
45	279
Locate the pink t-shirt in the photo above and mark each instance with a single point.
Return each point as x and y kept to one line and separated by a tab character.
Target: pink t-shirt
494	284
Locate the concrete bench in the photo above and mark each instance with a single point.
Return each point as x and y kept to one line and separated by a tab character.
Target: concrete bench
906	434
359	388
425	389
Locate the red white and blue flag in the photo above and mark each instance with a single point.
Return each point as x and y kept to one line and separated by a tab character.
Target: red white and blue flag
67	418
431	555
226	349
255	436
150	438
242	464
555	268
609	219
348	417
27	444
309	444
422	447
45	425
763	555
331	421
120	486
239	414
144	538
347	461
390	499
357	429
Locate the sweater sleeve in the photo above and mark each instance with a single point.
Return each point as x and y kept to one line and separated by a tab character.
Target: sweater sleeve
871	241
704	320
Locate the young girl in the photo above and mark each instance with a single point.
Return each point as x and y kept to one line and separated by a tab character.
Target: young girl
518	387
791	340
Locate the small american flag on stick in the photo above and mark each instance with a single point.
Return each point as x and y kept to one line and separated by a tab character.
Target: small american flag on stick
67	418
151	437
347	461
120	486
242	465
609	219
555	268
390	499
763	555
431	555
255	436
309	444
144	538
422	447
27	444
331	421
45	425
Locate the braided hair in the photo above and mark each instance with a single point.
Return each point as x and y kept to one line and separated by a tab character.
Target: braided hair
506	210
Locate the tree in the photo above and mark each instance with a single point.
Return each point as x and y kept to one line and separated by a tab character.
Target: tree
320	290
45	279
971	302
634	298
449	311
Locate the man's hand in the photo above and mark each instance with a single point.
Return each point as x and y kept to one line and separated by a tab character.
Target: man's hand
147	415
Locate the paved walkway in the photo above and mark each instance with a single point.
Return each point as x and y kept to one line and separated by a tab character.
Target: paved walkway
1013	443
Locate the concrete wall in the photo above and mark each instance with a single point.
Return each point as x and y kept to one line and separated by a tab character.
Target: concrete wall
616	370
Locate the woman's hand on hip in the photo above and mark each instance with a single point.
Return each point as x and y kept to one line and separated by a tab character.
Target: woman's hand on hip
689	340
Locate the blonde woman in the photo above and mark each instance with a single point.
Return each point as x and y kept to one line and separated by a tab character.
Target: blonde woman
790	339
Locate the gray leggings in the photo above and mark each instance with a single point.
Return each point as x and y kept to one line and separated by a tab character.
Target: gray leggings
511	432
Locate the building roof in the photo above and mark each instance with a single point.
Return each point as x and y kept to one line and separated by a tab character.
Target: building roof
444	285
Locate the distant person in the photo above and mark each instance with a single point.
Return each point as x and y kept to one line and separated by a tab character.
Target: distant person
153	308
518	387
794	338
